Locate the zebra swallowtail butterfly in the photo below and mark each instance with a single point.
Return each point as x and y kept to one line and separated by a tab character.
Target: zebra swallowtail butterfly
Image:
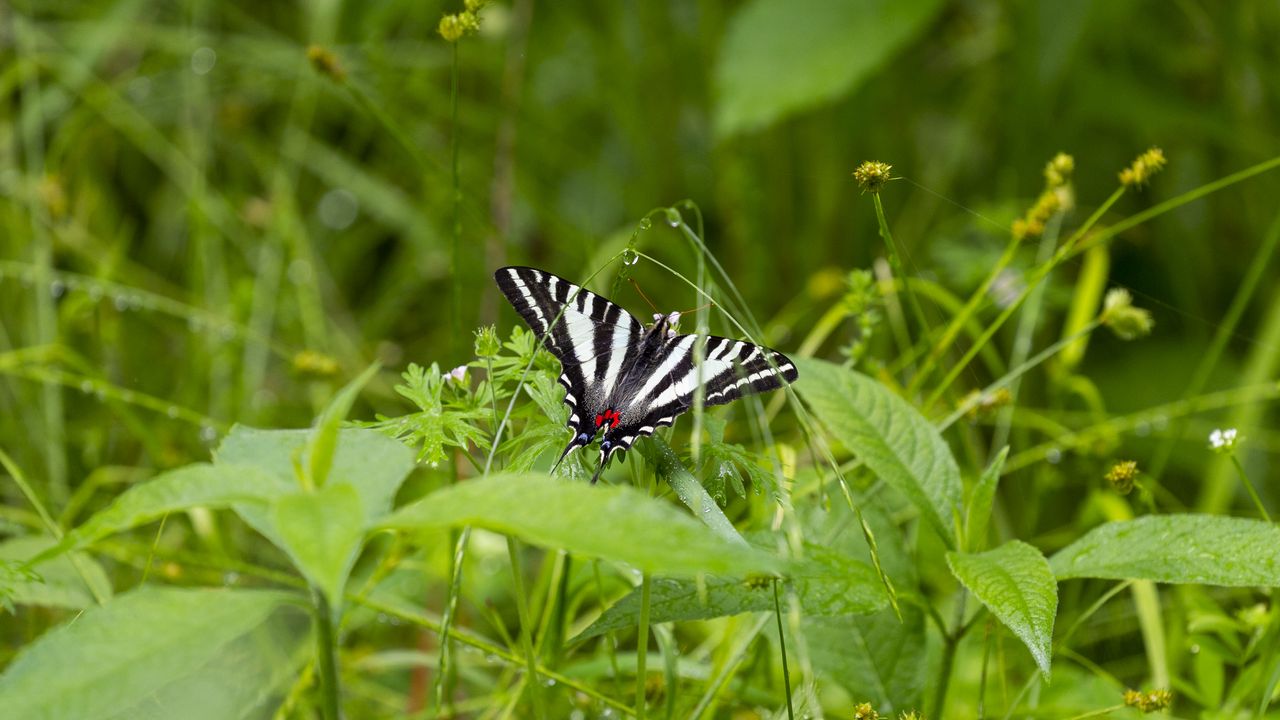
623	380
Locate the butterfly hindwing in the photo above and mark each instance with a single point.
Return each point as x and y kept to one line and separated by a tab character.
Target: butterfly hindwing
729	370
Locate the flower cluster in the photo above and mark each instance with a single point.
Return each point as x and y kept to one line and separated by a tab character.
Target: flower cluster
1148	702
310	363
453	27
872	175
1123	319
1224	441
865	712
326	63
1121	476
1056	197
1148	164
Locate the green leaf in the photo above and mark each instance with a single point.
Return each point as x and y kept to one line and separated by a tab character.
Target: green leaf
199	485
875	658
826	583
1189	549
322	531
782	56
372	463
613	523
323	442
1015	583
55	583
890	436
981	502
692	493
113	657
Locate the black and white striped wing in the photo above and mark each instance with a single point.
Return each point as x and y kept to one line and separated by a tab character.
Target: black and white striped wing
593	339
729	370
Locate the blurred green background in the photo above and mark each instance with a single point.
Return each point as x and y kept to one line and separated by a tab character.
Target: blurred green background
188	200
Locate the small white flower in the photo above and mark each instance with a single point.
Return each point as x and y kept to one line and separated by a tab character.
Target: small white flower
1223	440
458	375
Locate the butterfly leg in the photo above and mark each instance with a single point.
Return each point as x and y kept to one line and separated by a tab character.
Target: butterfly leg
578	441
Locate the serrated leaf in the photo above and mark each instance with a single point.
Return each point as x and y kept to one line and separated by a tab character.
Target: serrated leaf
825	582
890	437
322	532
55	583
781	56
110	658
1015	583
1189	549
199	485
978	513
876	658
613	523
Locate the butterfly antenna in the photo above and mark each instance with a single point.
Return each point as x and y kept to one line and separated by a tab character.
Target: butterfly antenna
636	285
705	305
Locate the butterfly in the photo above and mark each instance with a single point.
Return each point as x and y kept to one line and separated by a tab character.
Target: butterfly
624	380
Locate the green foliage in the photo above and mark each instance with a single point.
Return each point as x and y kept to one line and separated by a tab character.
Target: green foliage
782	56
1015	583
114	661
889	436
615	523
1198	549
827	583
211	225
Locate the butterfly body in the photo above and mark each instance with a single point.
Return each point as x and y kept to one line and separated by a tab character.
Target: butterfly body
624	380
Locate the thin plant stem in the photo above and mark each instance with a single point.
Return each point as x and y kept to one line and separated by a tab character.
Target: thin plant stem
730	666
782	647
610	645
895	261
642	645
950	641
326	657
446	622
456	239
526	639
1097	713
20	480
1253	493
1035	278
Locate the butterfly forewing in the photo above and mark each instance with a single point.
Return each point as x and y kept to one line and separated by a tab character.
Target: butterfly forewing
593	339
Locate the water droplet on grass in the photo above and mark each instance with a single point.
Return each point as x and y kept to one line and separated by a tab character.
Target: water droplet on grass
172	411
208	434
57	288
645	223
1054	456
203	60
338	209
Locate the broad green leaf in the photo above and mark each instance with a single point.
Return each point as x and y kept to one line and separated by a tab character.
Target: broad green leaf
55	583
782	56
113	657
323	442
246	679
1191	549
1015	583
613	523
322	531
199	485
890	436
372	463
981	501
826	583
876	658
691	492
